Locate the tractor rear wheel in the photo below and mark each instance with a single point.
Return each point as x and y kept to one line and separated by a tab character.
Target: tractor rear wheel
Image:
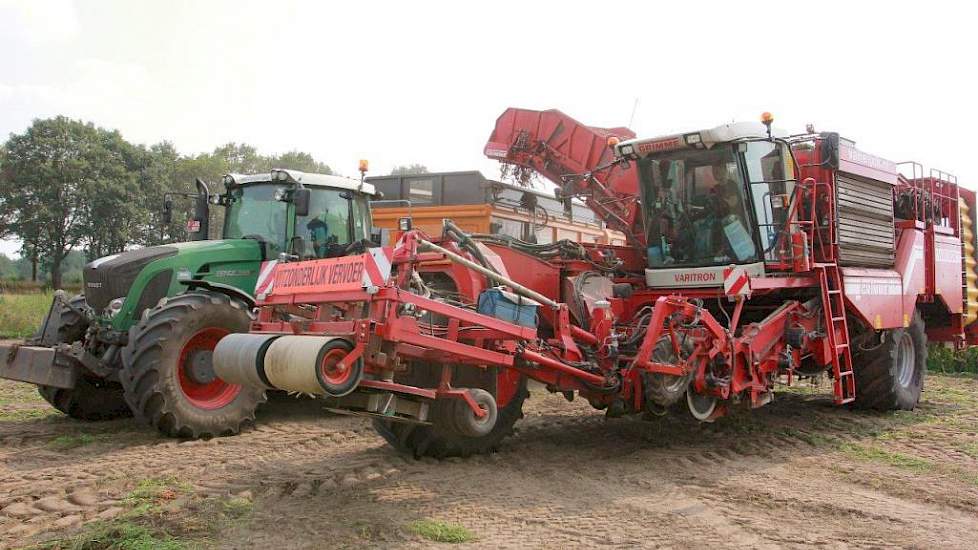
443	438
168	371
891	376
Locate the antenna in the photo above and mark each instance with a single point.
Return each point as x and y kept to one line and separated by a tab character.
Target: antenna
634	108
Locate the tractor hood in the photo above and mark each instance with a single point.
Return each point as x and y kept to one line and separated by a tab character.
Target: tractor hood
110	277
155	268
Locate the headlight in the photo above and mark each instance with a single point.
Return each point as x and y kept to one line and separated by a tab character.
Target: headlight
115	306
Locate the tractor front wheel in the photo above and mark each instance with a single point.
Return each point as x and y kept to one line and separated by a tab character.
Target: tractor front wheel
90	399
168	371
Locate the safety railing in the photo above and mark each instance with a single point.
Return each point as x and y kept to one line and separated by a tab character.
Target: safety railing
931	198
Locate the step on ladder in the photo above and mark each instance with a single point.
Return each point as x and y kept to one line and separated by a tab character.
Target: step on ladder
837	332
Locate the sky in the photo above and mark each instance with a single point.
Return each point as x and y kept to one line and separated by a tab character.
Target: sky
405	82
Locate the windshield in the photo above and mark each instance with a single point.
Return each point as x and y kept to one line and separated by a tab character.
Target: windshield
694	206
253	211
326	231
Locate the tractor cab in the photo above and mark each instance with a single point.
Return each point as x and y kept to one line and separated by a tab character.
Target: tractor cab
304	216
711	199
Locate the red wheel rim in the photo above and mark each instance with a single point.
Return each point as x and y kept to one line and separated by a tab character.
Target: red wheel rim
329	368
205	395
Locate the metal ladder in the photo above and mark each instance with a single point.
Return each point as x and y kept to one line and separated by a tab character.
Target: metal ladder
837	332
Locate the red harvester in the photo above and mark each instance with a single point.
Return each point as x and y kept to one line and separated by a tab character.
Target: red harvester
752	258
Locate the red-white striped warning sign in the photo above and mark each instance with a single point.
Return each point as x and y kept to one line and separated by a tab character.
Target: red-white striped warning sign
736	282
375	273
264	283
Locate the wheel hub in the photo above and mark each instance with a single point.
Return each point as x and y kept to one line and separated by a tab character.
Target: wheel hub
905	359
701	406
200	366
198	382
333	368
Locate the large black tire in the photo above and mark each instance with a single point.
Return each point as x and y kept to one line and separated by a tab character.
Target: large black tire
664	391
73	325
90	399
167	369
891	376
441	439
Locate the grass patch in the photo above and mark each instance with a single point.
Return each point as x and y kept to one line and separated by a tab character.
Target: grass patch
238	507
891	458
956	396
118	535
947	360
21	314
149	494
66	442
439	531
163	513
970	449
27	414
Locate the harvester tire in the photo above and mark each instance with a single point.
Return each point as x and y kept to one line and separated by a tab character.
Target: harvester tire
442	439
167	367
663	391
90	399
891	376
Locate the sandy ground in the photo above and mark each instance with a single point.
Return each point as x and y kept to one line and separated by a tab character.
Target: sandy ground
796	473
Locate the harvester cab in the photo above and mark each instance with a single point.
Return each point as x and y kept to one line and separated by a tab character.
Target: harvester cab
140	338
711	199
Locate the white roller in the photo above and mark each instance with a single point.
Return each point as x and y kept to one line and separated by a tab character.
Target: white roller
237	356
291	363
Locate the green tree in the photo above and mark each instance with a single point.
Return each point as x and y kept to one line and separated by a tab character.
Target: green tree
67	185
409	170
242	159
303	162
60	182
112	212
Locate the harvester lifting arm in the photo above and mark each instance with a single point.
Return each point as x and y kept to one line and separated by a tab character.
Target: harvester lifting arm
492	275
554	145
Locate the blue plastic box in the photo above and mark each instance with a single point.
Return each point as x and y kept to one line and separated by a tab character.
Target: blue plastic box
508	307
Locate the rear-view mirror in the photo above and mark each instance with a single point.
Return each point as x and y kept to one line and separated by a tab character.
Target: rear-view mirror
301	199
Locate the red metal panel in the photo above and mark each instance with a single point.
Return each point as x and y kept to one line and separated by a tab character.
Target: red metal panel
857	162
875	295
947	271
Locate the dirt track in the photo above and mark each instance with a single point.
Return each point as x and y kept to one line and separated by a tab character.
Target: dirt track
796	473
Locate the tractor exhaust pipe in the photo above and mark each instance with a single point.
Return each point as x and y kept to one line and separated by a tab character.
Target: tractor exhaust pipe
302	364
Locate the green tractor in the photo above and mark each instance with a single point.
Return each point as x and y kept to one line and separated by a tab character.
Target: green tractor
139	339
